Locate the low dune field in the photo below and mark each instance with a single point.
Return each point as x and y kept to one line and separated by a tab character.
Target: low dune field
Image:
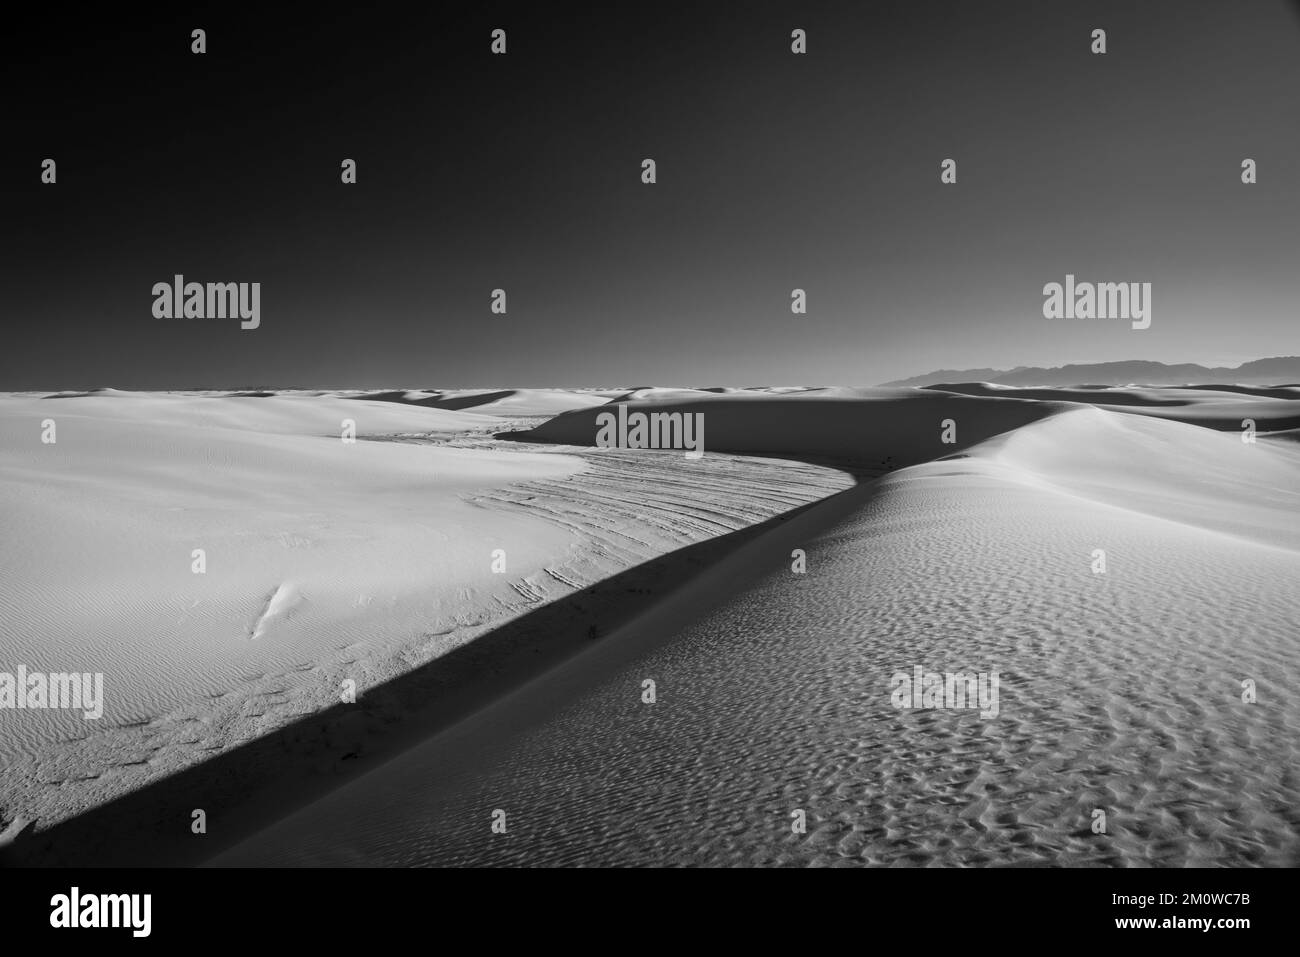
499	590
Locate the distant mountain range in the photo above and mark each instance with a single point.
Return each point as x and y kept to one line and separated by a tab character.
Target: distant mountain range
1280	370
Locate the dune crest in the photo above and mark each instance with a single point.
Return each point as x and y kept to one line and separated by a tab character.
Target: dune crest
1121	683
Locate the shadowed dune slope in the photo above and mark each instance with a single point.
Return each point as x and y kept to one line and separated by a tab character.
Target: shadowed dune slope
522	402
877	426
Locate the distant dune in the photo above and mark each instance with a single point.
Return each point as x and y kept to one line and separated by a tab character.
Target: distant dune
521	402
872	426
1224	408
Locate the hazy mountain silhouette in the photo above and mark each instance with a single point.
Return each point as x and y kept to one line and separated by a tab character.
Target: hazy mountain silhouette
1280	370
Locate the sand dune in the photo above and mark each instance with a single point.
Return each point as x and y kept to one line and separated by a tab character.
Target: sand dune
322	561
290	413
1214	407
327	560
496	402
309	545
880	427
1121	691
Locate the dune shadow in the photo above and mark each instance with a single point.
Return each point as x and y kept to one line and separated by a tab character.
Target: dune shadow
860	468
250	785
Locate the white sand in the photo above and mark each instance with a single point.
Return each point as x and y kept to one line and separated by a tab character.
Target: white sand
524	402
325	560
1121	691
1224	408
312	545
878	427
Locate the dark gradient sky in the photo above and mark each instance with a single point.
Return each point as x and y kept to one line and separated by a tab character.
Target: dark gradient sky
523	171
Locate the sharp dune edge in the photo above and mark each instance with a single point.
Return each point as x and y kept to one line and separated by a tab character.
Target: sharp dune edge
324	561
1120	690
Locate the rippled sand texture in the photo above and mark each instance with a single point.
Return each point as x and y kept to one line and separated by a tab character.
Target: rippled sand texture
325	561
1120	692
